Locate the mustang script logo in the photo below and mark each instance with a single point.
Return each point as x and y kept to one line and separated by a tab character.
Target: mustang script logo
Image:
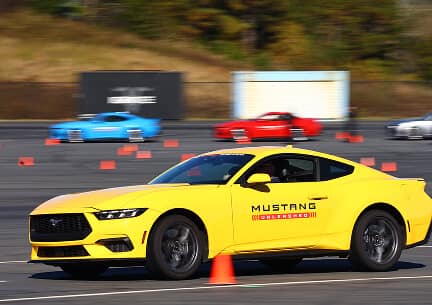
54	222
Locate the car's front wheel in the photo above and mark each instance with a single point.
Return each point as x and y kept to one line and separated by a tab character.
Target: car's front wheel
84	270
75	136
377	241
240	134
175	248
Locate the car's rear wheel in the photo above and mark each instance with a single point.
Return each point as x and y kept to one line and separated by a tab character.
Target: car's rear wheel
84	270
282	263
175	248
415	133
135	135
298	134
377	241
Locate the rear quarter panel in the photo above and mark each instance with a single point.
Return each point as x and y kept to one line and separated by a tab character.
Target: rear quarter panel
353	196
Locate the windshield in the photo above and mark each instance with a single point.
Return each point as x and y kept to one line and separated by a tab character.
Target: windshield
208	169
98	118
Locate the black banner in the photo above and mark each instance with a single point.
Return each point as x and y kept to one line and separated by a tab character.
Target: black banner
155	94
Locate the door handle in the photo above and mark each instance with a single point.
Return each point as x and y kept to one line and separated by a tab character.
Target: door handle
317	197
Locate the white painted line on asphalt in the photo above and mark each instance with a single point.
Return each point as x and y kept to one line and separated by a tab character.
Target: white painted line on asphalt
13	262
329	281
425	246
3	281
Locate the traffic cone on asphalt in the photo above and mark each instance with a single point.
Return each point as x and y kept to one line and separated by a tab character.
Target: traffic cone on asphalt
356	139
368	161
107	165
222	271
169	143
389	167
342	136
52	141
26	161
187	156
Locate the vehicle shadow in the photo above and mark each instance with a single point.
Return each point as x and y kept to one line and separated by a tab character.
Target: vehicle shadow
241	268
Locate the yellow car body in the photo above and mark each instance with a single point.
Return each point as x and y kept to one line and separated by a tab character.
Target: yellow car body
243	218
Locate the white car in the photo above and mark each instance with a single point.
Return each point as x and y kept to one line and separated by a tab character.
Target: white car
413	128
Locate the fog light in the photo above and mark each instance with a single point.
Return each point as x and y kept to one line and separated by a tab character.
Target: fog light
123	244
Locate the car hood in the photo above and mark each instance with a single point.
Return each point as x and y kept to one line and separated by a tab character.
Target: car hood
66	125
105	199
397	122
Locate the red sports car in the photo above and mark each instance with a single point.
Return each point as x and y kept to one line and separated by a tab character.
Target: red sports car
269	125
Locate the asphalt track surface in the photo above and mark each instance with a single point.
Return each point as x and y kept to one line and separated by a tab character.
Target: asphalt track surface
67	168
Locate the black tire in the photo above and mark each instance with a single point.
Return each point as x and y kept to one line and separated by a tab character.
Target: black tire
240	134
298	134
376	242
415	133
175	248
84	270
75	136
135	135
283	264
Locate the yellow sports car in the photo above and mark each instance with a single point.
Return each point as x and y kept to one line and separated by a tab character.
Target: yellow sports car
277	204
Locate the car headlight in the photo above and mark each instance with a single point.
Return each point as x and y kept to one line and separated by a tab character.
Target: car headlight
119	214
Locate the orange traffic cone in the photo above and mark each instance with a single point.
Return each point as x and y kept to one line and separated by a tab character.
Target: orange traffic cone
342	135
186	156
26	161
389	167
52	141
107	164
171	143
368	161
222	271
143	154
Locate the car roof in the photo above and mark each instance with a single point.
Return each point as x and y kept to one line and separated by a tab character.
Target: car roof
276	113
264	151
267	150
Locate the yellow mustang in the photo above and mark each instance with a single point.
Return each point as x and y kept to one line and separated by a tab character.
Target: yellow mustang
276	204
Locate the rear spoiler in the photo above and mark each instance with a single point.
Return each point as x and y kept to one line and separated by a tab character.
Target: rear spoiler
412	179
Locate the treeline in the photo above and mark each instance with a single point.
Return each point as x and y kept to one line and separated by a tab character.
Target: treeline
367	36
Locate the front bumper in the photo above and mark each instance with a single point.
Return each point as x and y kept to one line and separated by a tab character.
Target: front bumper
222	133
109	240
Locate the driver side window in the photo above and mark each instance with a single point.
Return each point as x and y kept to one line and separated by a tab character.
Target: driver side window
288	169
114	118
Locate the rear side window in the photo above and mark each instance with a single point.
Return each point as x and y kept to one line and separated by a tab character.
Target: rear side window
330	169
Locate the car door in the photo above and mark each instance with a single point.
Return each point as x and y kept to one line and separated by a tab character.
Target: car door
110	127
288	214
272	126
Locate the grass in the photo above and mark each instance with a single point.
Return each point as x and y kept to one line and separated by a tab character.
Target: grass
42	57
44	48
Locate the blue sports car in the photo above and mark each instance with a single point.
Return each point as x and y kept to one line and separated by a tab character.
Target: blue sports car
107	126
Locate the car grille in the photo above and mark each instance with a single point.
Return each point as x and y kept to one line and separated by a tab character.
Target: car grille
58	227
68	251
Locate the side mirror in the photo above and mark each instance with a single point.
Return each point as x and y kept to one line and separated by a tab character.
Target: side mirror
259	178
